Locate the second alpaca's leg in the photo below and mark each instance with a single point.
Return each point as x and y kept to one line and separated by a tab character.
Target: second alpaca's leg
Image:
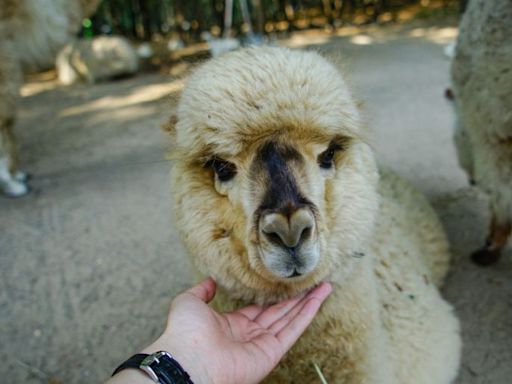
12	181
496	240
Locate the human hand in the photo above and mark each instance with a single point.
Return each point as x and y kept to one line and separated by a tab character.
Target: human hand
230	348
238	347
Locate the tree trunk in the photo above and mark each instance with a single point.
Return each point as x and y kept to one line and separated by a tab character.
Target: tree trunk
260	16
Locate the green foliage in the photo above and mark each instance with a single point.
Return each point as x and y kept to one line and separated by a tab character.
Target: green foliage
143	19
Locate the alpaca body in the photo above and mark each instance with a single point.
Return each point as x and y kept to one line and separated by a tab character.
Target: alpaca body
31	34
265	126
97	59
482	87
388	323
39	29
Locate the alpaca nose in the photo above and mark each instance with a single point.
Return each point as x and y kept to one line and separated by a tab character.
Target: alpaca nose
288	230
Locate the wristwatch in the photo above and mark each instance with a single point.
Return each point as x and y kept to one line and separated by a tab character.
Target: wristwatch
160	367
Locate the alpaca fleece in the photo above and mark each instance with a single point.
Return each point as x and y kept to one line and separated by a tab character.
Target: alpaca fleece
31	34
482	86
380	244
97	59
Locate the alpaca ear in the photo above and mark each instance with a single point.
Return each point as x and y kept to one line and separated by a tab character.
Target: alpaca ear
448	93
170	126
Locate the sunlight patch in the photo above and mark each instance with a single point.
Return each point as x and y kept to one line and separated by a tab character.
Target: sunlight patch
141	95
361	40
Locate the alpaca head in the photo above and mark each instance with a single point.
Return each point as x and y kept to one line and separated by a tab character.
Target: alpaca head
275	186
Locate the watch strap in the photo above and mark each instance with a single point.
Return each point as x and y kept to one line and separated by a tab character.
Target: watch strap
164	368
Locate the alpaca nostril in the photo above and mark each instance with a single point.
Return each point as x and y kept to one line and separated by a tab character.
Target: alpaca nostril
287	231
286	239
306	233
274	238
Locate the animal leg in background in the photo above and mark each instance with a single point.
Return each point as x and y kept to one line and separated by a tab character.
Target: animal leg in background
12	181
498	235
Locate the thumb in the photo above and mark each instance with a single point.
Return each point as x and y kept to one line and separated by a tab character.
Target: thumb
204	291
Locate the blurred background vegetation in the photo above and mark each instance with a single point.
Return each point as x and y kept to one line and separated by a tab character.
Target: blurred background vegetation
186	20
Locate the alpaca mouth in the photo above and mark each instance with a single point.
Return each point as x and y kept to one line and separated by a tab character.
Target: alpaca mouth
293	253
287	264
295	273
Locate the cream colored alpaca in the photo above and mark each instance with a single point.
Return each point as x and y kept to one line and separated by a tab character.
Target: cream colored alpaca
482	86
276	189
31	34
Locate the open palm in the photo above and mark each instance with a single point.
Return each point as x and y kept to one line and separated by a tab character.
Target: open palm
238	347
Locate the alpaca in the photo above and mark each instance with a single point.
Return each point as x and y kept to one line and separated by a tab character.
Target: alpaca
98	59
276	189
31	34
482	90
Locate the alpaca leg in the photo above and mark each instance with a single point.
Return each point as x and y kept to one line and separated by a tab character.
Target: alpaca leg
21	176
496	240
11	179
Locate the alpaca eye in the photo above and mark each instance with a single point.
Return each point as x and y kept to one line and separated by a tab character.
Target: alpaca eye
223	169
325	158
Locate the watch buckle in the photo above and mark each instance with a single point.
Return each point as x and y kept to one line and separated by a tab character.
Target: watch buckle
145	365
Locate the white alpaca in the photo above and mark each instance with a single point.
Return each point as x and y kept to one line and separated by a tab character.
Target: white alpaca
482	88
97	59
276	189
31	34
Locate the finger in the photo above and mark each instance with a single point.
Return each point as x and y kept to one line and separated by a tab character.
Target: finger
251	311
277	311
289	334
204	291
278	325
285	320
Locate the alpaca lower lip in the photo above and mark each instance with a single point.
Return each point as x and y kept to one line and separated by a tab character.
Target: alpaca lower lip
295	274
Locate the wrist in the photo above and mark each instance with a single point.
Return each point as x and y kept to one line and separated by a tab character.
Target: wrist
194	364
130	376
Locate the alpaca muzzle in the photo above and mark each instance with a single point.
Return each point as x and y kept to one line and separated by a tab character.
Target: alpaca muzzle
285	219
288	231
288	246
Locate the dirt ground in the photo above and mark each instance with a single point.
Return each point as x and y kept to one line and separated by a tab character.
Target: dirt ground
90	260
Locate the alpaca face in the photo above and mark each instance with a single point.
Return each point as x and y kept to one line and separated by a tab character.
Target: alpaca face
271	196
280	188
